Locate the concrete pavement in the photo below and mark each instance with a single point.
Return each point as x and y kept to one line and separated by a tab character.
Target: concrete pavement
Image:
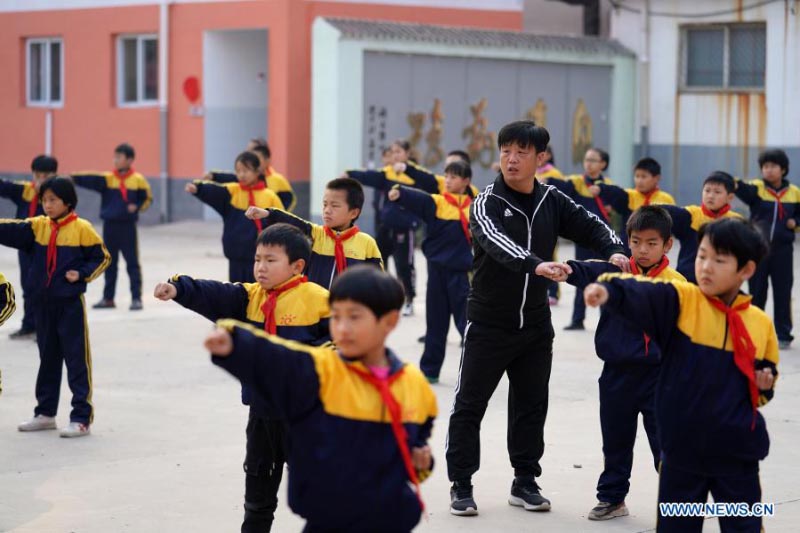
168	439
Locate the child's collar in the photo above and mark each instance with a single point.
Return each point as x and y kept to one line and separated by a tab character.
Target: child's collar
287	282
395	364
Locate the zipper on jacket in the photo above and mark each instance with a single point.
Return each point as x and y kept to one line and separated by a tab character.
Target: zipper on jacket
530	231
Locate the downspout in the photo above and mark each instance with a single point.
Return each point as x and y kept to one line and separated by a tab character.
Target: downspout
163	106
644	82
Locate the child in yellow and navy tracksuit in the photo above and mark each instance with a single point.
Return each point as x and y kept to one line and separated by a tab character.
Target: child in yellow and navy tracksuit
646	177
338	244
359	418
26	197
7	307
275	181
448	249
67	254
422	175
632	360
578	189
775	209
396	232
717	196
231	201
718	365
281	303
125	194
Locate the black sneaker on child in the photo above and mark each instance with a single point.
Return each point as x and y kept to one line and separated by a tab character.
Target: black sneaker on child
607	511
104	304
461	501
525	493
23	334
574	326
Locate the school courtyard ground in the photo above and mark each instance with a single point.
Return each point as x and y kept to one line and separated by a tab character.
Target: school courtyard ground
168	441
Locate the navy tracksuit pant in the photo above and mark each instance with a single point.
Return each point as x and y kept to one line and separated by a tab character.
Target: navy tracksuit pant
579	307
240	271
263	467
625	391
739	485
777	266
29	301
63	338
121	237
446	296
399	244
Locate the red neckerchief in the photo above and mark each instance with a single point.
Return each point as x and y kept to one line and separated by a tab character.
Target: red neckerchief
52	251
711	214
338	250
778	195
400	435
122	177
268	307
649	196
452	200
34	202
654	271
603	210
251	198
744	351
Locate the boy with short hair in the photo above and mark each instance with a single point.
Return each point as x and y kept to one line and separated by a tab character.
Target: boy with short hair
646	178
282	303
632	359
26	196
67	254
775	209
718	365
717	196
338	244
275	181
124	194
358	417
448	249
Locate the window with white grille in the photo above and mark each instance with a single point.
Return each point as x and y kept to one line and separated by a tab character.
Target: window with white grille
137	70
44	61
724	57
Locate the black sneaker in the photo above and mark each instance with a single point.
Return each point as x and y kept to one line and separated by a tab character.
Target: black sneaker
421	340
23	334
461	501
525	493
136	305
607	511
104	304
575	326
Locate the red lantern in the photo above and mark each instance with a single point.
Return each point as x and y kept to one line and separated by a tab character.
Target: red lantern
191	88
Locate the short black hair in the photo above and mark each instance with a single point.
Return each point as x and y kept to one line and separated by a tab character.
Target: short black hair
460	169
648	164
263	150
371	287
259	141
63	188
776	156
549	150
524	133
721	178
126	150
461	154
44	163
294	242
251	161
404	144
736	237
353	188
604	157
650	217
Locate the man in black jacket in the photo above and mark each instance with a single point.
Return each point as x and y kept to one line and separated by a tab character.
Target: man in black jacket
515	225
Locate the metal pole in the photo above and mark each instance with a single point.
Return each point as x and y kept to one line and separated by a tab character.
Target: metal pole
644	82
163	107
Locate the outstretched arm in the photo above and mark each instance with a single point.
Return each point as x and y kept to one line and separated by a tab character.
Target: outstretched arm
586	229
17	233
95	181
7	302
211	299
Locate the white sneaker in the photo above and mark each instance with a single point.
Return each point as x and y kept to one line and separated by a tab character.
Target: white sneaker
75	429
38	423
408	309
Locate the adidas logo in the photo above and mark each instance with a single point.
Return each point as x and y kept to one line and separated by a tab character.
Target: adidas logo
508	213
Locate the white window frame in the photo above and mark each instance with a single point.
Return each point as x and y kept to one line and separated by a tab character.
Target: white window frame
140	66
725	87
47	42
